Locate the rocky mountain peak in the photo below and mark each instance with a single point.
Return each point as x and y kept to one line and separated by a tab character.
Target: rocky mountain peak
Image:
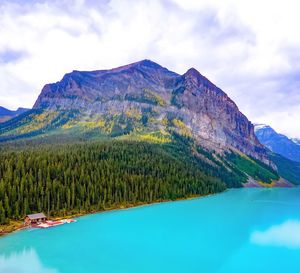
265	131
161	100
193	72
148	63
194	79
259	126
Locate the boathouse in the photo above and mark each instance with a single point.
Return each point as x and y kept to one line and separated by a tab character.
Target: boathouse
35	218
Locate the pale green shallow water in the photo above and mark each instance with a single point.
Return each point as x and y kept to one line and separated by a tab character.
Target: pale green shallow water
244	230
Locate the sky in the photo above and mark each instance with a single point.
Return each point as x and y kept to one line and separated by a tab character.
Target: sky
249	48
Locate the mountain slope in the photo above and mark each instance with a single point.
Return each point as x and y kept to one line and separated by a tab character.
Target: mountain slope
85	177
287	168
139	99
296	141
146	102
277	143
6	114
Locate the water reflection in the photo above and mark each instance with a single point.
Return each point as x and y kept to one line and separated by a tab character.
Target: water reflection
26	261
209	235
286	235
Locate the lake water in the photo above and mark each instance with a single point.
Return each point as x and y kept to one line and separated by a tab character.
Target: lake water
241	230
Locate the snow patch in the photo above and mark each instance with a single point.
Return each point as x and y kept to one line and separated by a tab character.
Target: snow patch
260	126
296	140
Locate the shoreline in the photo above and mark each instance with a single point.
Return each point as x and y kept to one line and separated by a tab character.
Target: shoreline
281	183
19	226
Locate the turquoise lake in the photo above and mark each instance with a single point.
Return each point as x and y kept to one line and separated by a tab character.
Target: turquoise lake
240	230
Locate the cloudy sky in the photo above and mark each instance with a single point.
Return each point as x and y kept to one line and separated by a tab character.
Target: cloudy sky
249	48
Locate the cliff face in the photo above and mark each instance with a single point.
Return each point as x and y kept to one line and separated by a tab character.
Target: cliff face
215	117
145	88
81	89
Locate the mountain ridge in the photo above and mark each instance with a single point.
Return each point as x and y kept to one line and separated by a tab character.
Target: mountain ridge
278	143
142	100
146	102
207	112
6	114
296	140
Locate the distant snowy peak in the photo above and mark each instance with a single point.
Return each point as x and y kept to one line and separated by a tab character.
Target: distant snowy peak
278	143
261	126
296	140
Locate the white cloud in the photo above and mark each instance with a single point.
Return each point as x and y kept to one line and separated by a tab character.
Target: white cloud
286	235
248	48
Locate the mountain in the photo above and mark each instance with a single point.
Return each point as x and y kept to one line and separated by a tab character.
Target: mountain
278	143
296	140
287	168
128	136
146	102
142	98
6	114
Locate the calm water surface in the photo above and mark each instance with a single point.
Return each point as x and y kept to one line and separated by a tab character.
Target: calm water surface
245	230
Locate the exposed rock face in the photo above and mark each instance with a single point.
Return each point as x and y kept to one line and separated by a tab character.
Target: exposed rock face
78	89
216	117
209	115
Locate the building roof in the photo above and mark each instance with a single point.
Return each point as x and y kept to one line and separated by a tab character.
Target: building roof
36	216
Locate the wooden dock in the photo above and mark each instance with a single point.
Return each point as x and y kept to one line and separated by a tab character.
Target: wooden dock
49	223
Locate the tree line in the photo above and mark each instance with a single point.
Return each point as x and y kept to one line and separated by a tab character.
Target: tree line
85	177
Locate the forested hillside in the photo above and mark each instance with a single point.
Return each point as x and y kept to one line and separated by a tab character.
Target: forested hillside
67	179
138	98
287	168
130	135
86	177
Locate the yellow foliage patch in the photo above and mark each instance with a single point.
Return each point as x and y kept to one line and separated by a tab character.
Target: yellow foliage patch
153	96
38	122
67	125
165	122
133	113
183	129
267	185
154	138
